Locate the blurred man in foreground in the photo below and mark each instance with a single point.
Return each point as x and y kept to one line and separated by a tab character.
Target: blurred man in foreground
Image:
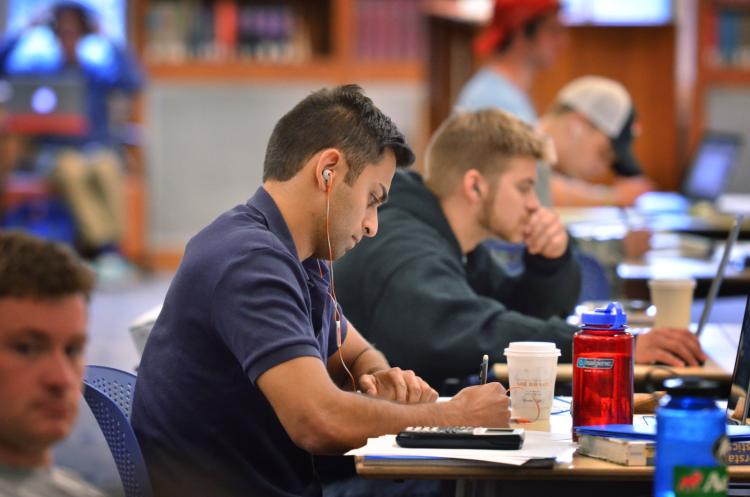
44	290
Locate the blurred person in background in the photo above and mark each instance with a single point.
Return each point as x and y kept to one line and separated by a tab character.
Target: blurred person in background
44	289
64	40
593	124
523	38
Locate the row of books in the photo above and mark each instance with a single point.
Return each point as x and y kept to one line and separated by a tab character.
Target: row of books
390	30
729	38
229	30
225	30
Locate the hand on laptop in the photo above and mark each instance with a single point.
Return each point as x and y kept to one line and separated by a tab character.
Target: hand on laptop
398	385
545	234
626	190
670	346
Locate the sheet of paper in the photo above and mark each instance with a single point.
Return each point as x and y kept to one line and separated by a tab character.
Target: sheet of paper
537	445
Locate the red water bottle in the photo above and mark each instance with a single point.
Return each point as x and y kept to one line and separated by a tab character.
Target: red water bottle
603	369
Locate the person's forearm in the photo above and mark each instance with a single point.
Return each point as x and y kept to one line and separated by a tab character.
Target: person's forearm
368	361
569	192
351	421
360	358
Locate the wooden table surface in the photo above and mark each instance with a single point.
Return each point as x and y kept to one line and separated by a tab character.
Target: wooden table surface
719	342
581	467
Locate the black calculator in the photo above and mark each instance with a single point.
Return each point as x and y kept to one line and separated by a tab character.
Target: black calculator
461	437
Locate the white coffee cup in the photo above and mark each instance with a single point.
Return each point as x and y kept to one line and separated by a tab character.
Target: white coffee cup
532	370
673	299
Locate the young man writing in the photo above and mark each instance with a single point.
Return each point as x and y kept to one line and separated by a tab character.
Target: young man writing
44	290
243	378
434	299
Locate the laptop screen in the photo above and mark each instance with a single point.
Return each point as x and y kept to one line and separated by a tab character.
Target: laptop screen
111	15
712	166
53	105
741	376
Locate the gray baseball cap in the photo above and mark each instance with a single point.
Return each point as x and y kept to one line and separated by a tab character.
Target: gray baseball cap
608	106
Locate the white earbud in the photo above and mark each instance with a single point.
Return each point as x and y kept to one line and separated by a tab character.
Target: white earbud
327	176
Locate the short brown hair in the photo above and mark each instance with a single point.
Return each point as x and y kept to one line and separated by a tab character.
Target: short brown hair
341	117
482	140
34	268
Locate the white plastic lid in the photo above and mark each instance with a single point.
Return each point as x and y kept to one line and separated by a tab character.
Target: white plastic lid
532	349
672	283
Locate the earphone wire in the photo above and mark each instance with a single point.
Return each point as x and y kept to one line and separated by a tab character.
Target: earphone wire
332	292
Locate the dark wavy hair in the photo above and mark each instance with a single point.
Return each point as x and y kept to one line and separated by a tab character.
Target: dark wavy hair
341	117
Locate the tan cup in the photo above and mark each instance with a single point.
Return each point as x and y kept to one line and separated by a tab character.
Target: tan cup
673	299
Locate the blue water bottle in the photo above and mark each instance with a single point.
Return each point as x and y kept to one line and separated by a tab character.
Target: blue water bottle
691	441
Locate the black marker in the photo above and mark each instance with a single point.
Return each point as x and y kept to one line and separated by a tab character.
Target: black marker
483	369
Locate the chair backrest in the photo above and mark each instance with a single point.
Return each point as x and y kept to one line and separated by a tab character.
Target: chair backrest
594	281
109	394
117	385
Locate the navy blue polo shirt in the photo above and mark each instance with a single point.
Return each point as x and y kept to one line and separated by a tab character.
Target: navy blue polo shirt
240	303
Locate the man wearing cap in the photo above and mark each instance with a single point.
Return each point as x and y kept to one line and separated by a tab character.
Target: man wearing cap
592	124
523	38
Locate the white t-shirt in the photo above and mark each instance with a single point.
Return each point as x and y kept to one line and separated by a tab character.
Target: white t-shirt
43	482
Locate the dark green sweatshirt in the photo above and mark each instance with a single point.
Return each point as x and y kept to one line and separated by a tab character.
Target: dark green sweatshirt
411	292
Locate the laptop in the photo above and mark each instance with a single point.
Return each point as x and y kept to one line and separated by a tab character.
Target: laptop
705	180
44	105
741	376
713	290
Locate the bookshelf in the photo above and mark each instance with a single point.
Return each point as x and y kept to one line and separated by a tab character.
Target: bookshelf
725	36
234	81
722	58
336	40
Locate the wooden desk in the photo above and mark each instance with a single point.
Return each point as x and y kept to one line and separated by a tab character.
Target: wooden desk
711	370
582	475
580	470
635	274
718	341
613	221
581	467
601	231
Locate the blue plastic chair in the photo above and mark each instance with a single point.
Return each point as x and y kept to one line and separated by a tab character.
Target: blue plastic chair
594	281
109	394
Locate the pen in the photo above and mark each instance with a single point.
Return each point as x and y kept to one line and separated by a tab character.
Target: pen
483	369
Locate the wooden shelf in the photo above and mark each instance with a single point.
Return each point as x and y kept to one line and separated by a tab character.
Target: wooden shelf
325	68
727	75
385	70
334	41
468	13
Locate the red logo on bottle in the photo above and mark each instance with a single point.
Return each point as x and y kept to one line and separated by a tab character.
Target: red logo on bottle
691	481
